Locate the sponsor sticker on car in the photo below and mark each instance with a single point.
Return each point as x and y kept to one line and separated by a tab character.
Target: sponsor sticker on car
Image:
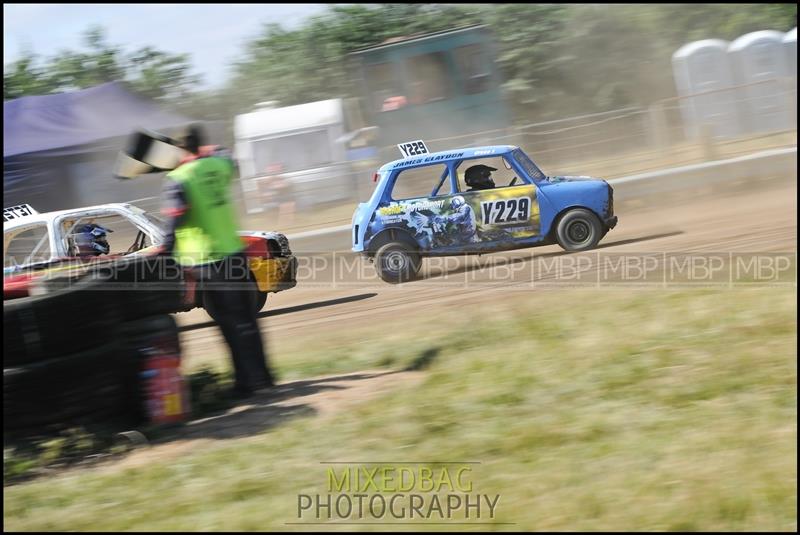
15	212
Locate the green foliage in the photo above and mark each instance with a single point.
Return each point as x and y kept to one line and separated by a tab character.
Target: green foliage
528	39
27	457
310	64
208	391
556	60
151	72
159	74
23	78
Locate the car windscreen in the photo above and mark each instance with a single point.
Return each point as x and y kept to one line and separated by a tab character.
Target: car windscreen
527	164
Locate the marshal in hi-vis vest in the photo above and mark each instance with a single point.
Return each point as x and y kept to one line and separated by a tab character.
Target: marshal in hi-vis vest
209	230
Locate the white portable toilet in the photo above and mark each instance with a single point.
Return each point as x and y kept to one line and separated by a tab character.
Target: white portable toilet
704	67
790	49
759	67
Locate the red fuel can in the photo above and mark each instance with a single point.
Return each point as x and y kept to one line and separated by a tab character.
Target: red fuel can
164	389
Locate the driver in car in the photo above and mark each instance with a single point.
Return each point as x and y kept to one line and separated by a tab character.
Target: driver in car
91	240
479	177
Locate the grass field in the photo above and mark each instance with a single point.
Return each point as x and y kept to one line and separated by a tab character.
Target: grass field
587	410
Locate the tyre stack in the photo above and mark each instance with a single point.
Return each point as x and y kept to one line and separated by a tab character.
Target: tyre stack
72	354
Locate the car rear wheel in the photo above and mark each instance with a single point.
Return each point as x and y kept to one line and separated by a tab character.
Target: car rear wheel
579	230
397	262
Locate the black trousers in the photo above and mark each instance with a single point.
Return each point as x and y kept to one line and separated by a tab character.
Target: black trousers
230	287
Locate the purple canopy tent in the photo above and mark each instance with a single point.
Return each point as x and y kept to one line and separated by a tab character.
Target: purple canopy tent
59	150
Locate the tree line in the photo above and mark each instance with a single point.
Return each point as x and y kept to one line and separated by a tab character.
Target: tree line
555	59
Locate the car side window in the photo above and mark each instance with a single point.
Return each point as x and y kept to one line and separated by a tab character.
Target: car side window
124	234
501	175
419	182
28	246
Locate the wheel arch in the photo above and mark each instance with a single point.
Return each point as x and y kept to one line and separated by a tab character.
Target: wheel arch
551	233
391	235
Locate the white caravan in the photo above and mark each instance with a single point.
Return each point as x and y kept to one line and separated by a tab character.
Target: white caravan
320	150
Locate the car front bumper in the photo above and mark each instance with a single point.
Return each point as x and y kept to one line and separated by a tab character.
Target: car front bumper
274	274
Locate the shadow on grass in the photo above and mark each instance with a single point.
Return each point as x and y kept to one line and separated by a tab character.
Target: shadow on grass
424	360
216	416
265	409
289	310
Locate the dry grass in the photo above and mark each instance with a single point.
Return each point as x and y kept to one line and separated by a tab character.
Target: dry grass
588	410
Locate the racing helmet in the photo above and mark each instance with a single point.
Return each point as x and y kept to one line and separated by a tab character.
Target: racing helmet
479	177
90	240
457	202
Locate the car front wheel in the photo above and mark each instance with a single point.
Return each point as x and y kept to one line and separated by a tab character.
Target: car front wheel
579	230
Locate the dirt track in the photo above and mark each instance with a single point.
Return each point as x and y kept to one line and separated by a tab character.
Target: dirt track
758	219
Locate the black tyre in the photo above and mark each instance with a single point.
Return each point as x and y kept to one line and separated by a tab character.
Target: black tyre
579	230
144	327
147	286
85	386
397	262
141	286
79	315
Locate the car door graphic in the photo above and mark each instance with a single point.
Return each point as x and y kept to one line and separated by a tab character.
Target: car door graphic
504	214
429	220
458	221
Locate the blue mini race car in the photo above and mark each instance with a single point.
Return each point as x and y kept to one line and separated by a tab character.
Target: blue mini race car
483	199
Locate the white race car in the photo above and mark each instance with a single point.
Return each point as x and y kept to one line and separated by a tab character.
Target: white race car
37	244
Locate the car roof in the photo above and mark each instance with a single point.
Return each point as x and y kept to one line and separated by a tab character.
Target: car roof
47	217
448	156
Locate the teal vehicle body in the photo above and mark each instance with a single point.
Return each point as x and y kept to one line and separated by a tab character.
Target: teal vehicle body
444	84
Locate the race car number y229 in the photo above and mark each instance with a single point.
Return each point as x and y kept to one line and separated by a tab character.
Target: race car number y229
413	148
506	210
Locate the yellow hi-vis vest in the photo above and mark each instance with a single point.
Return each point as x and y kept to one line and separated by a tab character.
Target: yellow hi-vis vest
209	230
